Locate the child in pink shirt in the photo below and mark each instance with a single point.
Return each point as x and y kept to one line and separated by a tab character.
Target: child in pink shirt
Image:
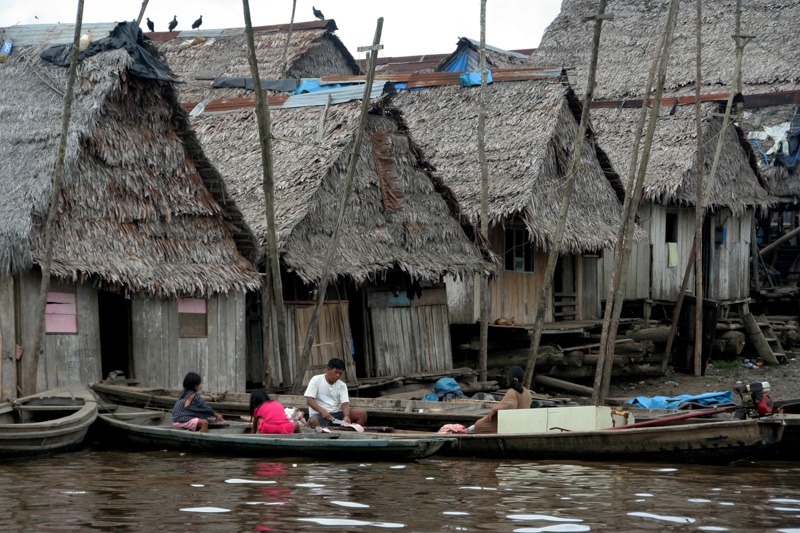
269	415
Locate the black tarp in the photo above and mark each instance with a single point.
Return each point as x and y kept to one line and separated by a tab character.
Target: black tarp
126	35
284	86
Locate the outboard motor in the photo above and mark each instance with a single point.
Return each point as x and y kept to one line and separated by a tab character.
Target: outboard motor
755	397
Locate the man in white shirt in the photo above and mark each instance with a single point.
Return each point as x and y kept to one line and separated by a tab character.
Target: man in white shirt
327	398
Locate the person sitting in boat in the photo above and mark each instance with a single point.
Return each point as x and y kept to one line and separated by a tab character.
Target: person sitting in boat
269	416
328	400
191	411
517	397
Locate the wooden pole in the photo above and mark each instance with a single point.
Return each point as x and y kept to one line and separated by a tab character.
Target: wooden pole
273	265
777	242
741	41
483	353
141	12
302	363
55	199
699	208
555	247
284	65
602	380
266	364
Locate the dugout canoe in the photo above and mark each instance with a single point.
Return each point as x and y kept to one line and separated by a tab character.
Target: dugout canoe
154	429
720	442
48	422
402	414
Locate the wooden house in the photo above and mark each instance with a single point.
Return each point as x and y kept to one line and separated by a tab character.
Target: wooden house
386	309
151	259
530	134
212	63
626	48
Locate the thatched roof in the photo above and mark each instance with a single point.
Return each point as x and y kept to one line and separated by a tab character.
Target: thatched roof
671	174
198	57
467	54
530	132
136	211
399	216
771	61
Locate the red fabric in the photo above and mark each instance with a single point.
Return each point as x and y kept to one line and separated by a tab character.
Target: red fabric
273	418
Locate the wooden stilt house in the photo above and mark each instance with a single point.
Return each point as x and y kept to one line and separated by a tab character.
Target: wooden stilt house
150	257
386	309
530	133
627	46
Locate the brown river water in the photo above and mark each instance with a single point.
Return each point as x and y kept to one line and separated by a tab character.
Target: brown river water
105	490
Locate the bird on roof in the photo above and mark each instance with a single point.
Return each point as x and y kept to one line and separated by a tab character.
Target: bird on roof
196	23
318	13
150	25
174	23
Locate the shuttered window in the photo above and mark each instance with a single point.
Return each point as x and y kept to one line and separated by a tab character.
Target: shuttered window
192	317
519	250
61	313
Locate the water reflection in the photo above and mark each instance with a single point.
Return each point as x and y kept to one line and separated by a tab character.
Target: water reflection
169	491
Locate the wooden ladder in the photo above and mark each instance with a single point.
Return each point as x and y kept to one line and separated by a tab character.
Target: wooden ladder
760	332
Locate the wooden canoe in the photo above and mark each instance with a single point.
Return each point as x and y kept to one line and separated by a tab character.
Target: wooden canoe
708	443
154	429
404	414
51	421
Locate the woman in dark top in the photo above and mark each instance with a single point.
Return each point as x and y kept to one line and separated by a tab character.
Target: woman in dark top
191	411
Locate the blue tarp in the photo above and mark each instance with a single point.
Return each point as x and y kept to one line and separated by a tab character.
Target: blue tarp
445	388
675	402
459	64
471	79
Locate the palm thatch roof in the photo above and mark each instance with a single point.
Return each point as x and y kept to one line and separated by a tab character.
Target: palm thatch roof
466	57
198	57
137	211
531	129
399	216
771	61
671	171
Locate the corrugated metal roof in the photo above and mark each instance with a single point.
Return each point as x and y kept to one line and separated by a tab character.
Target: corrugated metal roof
432	79
33	34
477	44
320	98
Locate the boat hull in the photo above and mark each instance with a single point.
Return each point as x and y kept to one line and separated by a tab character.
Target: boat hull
154	429
48	422
707	443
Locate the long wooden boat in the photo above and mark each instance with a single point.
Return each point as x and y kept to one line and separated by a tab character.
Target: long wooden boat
403	414
720	442
153	428
51	421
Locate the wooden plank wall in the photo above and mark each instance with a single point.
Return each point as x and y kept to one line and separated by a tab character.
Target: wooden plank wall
68	358
729	275
666	282
589	288
412	337
161	358
638	282
462	298
8	339
332	339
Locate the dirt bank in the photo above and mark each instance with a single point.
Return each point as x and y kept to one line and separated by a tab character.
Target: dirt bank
783	379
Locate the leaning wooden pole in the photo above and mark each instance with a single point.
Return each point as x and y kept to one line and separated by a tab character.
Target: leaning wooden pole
741	42
55	199
141	12
284	59
302	362
602	380
273	266
483	353
566	198
699	208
